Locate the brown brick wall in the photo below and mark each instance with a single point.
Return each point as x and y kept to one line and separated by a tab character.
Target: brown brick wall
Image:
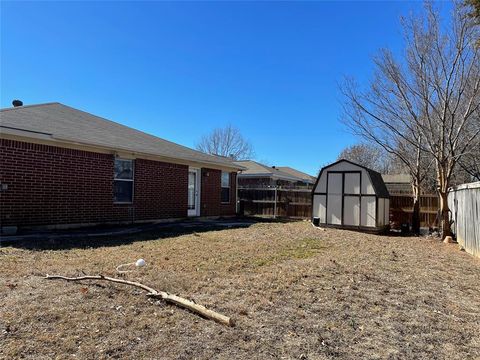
211	194
52	185
160	190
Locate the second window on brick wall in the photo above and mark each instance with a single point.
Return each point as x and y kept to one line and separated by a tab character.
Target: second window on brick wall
123	181
225	187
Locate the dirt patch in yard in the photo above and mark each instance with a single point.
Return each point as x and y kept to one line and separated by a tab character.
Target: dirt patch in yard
294	291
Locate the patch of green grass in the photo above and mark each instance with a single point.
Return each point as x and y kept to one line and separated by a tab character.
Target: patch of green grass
302	249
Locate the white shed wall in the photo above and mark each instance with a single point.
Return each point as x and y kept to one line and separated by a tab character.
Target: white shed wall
319	207
387	212
368	211
381	212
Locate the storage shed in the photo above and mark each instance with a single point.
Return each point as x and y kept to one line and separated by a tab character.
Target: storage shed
348	195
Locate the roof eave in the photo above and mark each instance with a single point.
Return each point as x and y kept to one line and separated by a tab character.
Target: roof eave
64	142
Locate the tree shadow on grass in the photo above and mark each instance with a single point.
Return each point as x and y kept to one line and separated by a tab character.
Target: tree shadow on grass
107	236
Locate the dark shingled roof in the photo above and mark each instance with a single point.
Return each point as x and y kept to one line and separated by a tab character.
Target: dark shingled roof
63	123
378	183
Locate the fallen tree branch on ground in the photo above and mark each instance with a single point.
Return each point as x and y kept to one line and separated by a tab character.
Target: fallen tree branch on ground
174	299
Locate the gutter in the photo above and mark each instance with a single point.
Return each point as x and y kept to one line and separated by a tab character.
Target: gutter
49	139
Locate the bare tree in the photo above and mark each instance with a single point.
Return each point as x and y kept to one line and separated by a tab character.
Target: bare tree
425	107
228	142
368	155
475	8
469	165
474	12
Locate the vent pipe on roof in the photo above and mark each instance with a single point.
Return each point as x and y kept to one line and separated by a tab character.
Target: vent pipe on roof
17	103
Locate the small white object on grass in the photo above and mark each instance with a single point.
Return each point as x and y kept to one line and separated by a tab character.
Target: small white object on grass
140	263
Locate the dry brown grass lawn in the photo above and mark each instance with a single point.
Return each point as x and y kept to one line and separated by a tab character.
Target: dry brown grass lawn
295	292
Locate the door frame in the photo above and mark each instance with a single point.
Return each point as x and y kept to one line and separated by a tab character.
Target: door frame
196	211
360	195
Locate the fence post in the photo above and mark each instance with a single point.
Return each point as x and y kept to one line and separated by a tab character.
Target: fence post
275	205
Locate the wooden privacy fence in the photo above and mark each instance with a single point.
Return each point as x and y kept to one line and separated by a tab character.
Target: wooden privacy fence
297	203
401	210
464	204
276	202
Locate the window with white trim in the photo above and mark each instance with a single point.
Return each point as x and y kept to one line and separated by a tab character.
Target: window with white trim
225	187
123	181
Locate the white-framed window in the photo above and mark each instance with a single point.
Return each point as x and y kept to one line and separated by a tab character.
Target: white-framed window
123	181
225	187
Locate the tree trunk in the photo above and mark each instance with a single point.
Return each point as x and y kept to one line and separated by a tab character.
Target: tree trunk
416	207
416	216
445	216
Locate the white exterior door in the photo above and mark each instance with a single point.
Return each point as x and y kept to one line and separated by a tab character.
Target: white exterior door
193	192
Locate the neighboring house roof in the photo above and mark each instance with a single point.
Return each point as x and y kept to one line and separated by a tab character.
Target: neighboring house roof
58	122
255	169
304	176
398	184
375	177
396	178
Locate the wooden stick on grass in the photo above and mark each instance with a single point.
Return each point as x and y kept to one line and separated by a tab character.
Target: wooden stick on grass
174	299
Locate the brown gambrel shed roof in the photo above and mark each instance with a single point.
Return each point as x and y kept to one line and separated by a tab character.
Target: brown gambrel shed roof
63	123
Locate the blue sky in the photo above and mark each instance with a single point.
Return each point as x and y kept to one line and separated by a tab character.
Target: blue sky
179	70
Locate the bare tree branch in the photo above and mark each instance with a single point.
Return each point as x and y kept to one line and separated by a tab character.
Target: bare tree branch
228	142
424	107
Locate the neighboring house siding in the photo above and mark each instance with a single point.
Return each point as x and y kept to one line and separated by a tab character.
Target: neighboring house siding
52	185
210	196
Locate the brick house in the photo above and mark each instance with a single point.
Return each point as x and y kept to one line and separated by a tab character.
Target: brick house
61	167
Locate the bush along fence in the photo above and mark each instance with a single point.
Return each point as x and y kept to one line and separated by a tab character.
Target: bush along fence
276	202
464	204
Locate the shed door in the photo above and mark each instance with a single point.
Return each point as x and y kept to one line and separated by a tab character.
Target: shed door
334	198
351	210
343	198
352	183
351	200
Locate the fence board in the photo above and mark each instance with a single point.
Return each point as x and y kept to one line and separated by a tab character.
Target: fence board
281	202
464	204
401	210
